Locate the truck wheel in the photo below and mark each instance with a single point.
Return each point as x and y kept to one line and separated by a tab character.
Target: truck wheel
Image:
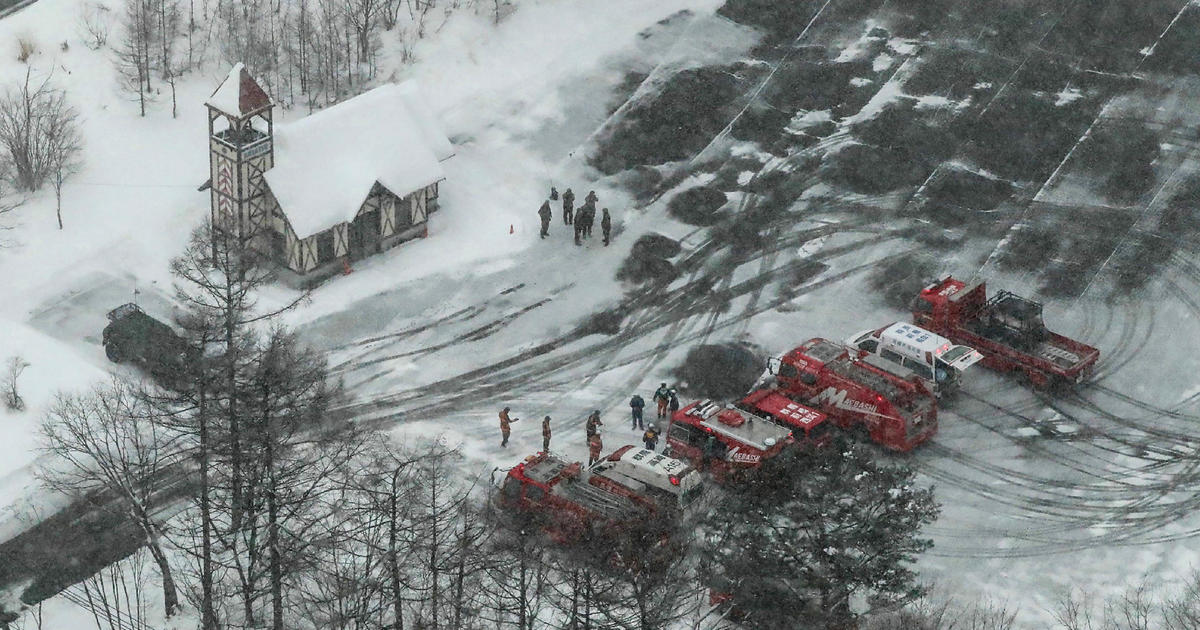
113	354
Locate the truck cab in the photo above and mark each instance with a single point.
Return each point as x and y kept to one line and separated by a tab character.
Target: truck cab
674	482
911	351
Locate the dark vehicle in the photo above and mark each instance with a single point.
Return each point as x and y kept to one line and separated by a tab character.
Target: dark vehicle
135	337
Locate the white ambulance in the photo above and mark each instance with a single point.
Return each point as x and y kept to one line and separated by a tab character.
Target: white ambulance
912	350
652	474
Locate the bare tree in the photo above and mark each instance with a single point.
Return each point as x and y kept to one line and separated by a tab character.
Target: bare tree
33	123
114	595
362	15
517	577
64	147
110	439
167	14
14	367
95	22
133	54
216	278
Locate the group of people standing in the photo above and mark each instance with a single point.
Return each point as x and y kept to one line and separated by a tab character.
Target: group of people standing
582	219
666	399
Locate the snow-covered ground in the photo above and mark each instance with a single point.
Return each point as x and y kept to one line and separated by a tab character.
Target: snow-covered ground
434	337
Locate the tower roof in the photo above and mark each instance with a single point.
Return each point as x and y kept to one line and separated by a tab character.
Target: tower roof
239	94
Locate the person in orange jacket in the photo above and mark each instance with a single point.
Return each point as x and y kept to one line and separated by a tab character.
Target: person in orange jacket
595	445
546	434
505	421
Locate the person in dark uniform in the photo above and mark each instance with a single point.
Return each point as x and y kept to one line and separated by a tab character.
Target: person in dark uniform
546	434
606	226
591	198
568	206
673	404
650	438
579	230
593	423
545	214
589	220
636	405
553	194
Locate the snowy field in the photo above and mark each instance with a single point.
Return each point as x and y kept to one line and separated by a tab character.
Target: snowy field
432	338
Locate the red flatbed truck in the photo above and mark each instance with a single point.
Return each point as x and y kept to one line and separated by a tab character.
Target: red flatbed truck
857	389
1007	329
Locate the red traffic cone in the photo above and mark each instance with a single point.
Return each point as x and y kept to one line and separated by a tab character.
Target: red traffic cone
510	229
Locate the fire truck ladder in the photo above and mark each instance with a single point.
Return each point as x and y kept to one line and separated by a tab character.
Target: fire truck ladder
600	500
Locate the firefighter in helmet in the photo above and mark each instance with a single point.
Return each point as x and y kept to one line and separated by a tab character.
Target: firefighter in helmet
662	396
650	437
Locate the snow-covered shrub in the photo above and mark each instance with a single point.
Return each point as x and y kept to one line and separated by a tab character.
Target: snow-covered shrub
899	280
692	107
720	371
25	49
697	206
647	261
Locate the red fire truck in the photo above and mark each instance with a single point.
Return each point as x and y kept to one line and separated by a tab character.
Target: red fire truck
571	503
1007	329
729	439
857	389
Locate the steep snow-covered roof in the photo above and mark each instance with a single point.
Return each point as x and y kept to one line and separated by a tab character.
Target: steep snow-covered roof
435	138
239	94
326	163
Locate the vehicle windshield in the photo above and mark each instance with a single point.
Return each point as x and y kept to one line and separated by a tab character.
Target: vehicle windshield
955	353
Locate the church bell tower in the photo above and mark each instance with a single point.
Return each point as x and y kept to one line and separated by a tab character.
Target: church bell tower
241	149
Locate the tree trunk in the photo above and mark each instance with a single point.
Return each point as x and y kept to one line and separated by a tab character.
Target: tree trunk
394	559
235	437
57	203
522	593
208	616
434	572
170	594
273	535
459	579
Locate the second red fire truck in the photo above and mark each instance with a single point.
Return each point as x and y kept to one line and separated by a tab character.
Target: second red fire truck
858	389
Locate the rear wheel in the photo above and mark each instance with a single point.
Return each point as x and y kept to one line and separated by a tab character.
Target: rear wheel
113	353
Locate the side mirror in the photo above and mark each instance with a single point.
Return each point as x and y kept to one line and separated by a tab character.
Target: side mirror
773	364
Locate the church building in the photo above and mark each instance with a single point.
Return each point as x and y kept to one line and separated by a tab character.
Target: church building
341	184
